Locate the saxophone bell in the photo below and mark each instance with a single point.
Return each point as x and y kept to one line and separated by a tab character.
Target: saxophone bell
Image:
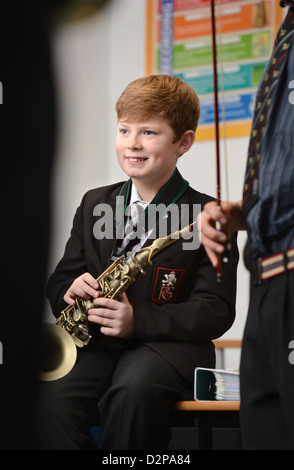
59	353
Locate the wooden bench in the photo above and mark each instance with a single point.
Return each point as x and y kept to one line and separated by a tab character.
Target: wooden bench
206	415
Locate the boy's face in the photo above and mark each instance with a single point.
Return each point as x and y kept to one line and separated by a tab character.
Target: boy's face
146	151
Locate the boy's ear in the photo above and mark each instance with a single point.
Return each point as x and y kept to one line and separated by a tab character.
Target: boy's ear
186	141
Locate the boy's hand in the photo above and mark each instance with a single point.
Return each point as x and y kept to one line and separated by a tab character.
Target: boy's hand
84	286
114	316
229	217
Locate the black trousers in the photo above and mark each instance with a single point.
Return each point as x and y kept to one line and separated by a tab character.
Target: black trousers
267	371
129	392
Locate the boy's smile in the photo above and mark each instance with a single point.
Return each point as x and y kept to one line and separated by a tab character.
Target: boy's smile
136	160
146	151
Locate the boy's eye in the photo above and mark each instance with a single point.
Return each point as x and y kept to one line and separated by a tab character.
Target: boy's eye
147	132
123	131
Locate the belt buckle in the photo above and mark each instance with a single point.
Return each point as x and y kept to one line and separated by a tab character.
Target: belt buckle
257	271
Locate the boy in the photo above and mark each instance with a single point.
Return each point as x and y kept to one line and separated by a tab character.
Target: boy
146	345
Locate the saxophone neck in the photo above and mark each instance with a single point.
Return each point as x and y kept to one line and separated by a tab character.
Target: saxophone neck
161	243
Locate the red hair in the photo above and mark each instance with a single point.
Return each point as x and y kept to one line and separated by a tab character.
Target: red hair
161	95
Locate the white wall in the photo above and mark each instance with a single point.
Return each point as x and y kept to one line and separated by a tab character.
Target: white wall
94	60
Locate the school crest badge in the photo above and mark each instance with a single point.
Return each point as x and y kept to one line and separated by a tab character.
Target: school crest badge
167	281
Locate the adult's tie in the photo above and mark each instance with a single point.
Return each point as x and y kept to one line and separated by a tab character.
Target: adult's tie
262	108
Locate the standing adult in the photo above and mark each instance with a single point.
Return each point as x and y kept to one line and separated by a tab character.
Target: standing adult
267	213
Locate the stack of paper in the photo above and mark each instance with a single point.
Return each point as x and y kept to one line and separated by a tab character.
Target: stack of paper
227	385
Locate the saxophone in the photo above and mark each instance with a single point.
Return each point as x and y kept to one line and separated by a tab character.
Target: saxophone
71	328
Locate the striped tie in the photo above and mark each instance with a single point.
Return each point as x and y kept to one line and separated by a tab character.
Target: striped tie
262	108
132	237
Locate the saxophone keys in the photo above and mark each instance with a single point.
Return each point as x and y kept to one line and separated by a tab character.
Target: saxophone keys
77	314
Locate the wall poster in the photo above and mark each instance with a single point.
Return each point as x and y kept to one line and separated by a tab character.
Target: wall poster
179	42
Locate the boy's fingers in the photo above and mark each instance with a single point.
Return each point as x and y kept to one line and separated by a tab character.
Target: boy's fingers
90	280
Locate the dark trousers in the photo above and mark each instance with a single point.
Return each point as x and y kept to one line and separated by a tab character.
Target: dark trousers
129	392
266	372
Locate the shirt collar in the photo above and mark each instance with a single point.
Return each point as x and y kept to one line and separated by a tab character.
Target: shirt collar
135	197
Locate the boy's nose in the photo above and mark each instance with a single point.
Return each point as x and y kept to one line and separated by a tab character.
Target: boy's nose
134	142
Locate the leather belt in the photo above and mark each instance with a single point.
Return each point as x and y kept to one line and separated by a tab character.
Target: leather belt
265	268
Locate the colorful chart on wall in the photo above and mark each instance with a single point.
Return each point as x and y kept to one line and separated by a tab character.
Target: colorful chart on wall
179	42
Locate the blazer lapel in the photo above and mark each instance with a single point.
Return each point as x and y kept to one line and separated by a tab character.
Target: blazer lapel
107	244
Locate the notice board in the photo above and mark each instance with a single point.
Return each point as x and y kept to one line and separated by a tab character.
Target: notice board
179	42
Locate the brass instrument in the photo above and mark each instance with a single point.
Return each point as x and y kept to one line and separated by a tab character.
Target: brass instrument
71	328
